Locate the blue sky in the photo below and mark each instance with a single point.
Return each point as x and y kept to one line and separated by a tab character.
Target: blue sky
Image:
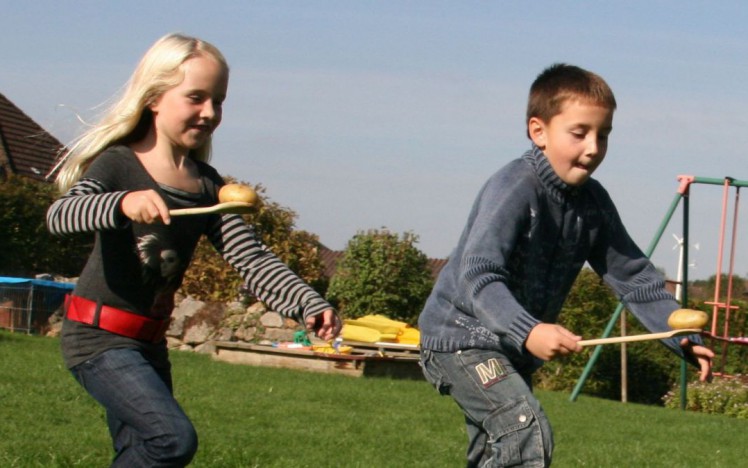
368	114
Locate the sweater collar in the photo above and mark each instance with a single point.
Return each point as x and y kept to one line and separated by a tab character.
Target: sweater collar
557	188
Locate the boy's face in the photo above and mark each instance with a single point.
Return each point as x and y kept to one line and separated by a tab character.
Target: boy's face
575	140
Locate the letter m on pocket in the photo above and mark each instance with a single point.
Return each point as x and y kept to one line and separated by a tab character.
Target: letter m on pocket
490	372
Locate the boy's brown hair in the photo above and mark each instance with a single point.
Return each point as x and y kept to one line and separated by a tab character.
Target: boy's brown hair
560	83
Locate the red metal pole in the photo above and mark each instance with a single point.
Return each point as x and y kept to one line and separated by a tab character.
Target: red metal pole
728	300
720	253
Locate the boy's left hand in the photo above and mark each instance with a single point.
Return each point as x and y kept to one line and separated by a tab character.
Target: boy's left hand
326	325
703	355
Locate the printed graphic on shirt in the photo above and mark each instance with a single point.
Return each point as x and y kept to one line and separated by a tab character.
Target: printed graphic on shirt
161	264
480	336
490	372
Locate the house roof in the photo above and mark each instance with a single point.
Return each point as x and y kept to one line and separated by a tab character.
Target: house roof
26	149
330	260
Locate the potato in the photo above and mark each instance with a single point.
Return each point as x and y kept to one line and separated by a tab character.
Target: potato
237	193
687	318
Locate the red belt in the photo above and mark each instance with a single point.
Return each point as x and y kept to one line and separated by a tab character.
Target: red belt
114	320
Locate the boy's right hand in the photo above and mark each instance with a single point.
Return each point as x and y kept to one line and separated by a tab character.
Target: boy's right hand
547	341
146	207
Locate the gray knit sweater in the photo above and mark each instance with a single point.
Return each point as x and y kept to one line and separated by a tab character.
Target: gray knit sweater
527	237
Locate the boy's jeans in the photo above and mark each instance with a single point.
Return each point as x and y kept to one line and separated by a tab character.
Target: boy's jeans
505	424
147	425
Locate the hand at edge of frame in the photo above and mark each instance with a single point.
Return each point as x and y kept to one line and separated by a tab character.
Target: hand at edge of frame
703	355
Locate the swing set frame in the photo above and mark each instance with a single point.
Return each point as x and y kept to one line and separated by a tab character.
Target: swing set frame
721	307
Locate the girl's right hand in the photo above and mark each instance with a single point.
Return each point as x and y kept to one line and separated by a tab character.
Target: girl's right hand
146	207
326	325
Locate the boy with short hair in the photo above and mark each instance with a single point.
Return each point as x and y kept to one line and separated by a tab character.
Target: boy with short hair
490	320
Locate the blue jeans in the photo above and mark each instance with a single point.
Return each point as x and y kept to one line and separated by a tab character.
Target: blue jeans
505	424
147	425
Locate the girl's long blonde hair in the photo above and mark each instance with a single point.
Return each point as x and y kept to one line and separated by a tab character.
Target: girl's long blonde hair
130	118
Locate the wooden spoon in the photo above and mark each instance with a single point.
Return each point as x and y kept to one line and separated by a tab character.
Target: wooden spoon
228	207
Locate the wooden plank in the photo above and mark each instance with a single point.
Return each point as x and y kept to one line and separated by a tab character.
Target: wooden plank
289	361
357	364
386	349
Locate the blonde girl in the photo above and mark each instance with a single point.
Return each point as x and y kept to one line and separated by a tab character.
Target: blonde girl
148	155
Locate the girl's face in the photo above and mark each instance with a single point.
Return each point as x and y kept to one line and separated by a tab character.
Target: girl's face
187	114
574	141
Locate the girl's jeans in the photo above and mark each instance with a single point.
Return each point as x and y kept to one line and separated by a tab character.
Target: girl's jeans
147	425
505	424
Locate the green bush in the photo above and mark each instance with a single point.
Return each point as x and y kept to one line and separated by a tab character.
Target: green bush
27	246
381	273
727	396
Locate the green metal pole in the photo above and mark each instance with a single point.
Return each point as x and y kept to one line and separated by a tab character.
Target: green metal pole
611	324
684	294
712	181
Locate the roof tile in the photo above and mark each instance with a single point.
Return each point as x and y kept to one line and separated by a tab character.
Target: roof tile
26	149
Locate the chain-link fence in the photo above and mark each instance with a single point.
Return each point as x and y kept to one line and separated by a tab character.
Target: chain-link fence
27	304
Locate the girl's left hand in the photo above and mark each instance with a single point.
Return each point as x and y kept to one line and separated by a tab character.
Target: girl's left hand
326	325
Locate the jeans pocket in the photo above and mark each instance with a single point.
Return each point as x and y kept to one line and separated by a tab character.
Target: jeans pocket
80	371
515	435
433	373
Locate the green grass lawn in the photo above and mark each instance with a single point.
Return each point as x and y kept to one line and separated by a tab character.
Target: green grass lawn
250	416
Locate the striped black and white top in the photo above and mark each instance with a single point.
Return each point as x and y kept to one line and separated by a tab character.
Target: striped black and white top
139	267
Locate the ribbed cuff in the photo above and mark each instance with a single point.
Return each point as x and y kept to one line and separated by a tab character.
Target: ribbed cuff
520	329
315	307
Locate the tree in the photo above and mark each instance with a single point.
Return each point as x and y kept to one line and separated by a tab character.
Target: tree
703	289
738	285
381	273
209	277
28	248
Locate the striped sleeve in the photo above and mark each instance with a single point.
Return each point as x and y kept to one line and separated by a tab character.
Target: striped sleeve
86	207
269	279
